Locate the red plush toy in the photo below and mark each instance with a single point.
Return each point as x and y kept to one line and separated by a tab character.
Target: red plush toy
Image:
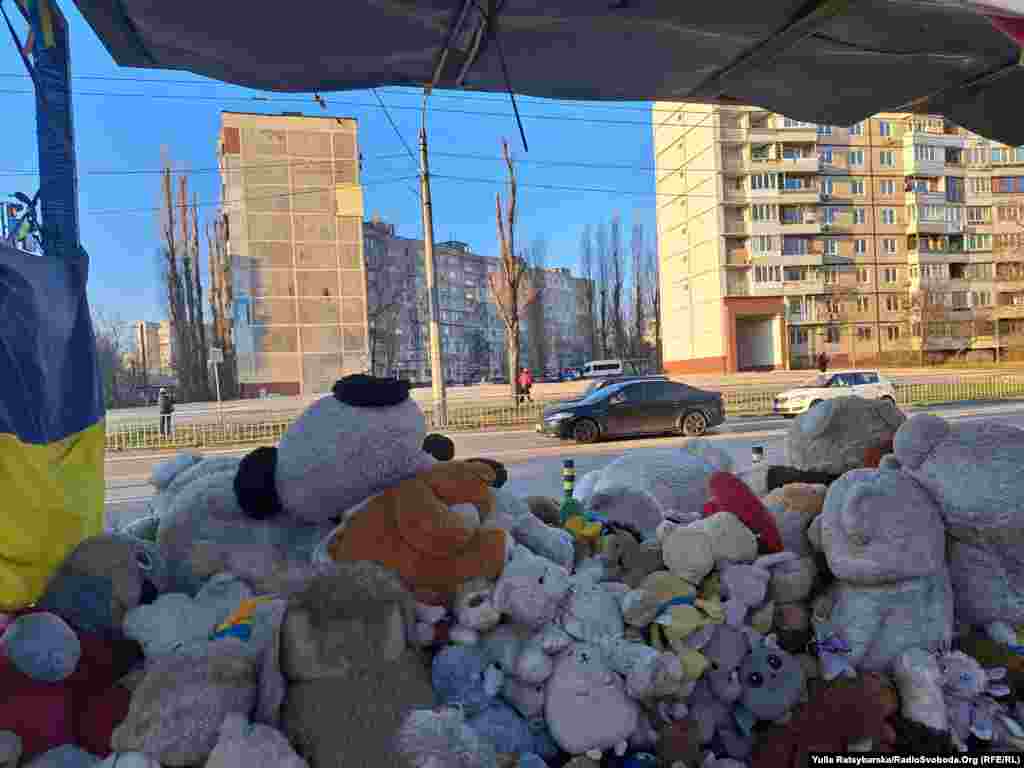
82	709
727	493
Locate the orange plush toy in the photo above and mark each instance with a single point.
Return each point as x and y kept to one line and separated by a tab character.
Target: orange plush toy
427	529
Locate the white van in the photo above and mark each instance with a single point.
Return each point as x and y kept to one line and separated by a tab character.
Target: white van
598	369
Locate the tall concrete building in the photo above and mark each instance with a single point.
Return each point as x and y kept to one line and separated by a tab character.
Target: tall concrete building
294	209
896	238
472	330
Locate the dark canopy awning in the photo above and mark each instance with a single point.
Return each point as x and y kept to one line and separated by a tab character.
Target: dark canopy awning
835	62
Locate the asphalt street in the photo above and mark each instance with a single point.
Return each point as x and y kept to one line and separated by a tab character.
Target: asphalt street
534	462
238	410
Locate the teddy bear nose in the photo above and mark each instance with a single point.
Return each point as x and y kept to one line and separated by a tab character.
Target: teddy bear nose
149	592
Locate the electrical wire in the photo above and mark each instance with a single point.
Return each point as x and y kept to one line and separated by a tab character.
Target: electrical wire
364	105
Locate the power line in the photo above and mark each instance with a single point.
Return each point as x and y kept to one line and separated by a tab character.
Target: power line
363	105
466	95
247	198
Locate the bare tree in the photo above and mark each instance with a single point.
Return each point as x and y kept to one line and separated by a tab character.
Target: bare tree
926	310
510	284
639	291
221	295
538	341
603	280
121	378
172	281
387	292
589	332
654	304
199	316
617	287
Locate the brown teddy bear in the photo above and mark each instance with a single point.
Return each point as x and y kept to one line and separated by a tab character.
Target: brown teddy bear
427	529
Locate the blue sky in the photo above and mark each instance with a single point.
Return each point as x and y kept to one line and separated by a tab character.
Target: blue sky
124	117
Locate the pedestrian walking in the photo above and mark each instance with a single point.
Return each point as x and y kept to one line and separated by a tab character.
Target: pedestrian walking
525	383
166	403
822	362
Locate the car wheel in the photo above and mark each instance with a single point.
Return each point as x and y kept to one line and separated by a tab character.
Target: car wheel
814	403
694	424
585	431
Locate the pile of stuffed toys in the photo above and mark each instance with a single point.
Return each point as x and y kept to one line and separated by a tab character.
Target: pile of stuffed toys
358	597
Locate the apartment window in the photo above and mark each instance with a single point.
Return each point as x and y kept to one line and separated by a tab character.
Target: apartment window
826	187
795	274
831	247
856	186
981	299
830	276
892	332
824	130
864	332
768	273
825	155
884	128
863	303
888	215
887	187
892	303
889	275
862	275
763	181
1000	155
832	334
858	216
860	246
797	336
981	185
1009	213
828	215
979	242
764	213
979	214
794	246
855	157
790	123
887	158
924	152
958	299
857	129
761	244
760	151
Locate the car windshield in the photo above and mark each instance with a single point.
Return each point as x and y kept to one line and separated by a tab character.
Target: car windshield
820	380
600	393
593	387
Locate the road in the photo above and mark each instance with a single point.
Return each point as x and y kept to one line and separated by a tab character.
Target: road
239	410
533	461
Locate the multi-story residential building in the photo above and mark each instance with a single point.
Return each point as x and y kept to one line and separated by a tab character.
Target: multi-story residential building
294	208
472	330
146	355
779	240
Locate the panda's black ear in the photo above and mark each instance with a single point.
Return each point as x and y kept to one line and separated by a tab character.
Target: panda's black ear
255	487
499	470
362	391
439	446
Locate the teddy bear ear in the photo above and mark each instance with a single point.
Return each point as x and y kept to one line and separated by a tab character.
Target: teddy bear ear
917	437
255	486
439	446
362	391
501	474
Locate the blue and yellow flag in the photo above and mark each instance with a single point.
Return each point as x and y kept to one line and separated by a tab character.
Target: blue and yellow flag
40	19
51	419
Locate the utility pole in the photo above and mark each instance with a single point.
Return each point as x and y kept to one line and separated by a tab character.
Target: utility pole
436	360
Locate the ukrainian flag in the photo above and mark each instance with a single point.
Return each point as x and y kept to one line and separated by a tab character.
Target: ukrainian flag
51	419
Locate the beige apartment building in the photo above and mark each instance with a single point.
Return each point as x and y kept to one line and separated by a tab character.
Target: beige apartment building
152	348
896	238
294	208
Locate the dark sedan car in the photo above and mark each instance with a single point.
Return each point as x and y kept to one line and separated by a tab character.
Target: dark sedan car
639	407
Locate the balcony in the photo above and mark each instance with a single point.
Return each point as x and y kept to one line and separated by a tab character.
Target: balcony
802	287
799	195
735	228
738	258
809	226
932	227
802	315
799	164
1010	310
796	135
930	197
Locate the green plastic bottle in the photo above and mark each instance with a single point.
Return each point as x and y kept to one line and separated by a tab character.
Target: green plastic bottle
570	506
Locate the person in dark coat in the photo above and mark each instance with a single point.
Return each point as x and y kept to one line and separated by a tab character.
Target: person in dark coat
166	403
822	362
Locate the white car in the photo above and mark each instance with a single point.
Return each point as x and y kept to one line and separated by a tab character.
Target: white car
867	384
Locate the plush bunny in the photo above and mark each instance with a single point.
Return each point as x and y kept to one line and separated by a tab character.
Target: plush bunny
884	540
975	471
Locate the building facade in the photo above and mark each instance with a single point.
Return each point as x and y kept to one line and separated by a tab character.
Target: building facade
294	208
892	241
472	329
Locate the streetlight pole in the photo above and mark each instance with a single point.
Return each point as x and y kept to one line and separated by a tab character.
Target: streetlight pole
436	361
